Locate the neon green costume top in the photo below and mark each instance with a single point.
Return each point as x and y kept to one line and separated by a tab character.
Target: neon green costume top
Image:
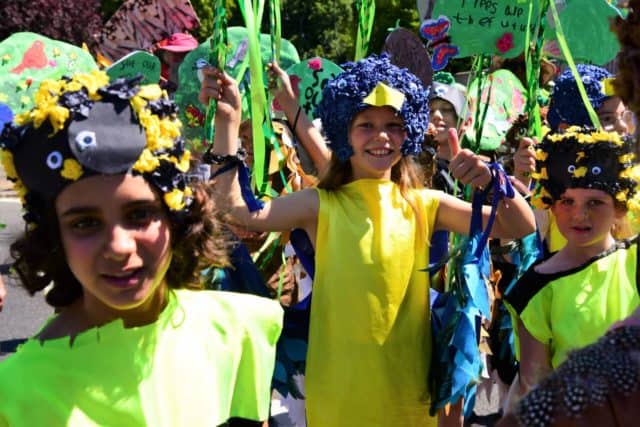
208	357
572	309
370	335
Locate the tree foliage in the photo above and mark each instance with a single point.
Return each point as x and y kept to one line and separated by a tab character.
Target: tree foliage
73	21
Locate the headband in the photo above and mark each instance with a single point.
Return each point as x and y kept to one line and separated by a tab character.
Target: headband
585	158
84	126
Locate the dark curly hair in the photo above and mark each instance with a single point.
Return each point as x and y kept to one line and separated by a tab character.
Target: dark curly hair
342	99
198	241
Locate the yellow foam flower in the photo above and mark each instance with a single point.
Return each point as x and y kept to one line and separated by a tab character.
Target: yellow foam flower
147	162
6	157
71	169
626	158
150	92
58	115
541	155
580	172
175	200
621	196
543	174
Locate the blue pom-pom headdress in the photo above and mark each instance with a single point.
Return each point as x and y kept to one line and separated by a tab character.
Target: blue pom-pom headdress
566	106
343	98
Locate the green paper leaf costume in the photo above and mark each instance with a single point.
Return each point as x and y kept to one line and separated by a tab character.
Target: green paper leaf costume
26	59
192	112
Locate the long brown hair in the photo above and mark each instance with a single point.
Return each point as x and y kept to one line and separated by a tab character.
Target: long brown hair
405	173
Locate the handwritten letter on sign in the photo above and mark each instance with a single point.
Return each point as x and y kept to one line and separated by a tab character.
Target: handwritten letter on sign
487	26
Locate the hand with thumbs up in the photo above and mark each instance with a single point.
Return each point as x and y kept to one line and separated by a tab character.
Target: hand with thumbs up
466	166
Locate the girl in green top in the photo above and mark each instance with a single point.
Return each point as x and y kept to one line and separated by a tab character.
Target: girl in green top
116	237
567	301
369	222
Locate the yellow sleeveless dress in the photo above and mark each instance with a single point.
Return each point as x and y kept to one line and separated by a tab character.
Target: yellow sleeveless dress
370	337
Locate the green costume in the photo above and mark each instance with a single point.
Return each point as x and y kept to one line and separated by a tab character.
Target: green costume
572	309
208	357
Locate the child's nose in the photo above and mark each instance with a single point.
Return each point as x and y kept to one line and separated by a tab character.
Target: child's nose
120	244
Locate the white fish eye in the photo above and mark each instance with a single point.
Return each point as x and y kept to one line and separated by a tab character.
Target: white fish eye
54	160
596	170
86	139
571	168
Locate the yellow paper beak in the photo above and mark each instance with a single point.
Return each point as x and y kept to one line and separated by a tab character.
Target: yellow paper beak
607	87
385	96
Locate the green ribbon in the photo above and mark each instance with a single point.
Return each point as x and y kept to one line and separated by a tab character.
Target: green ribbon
257	95
569	58
366	15
532	63
217	58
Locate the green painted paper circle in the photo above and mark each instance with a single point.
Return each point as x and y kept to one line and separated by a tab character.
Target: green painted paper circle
309	78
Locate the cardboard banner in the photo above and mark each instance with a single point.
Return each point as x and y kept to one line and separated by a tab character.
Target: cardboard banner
134	64
26	59
461	28
308	79
506	98
140	24
191	111
407	51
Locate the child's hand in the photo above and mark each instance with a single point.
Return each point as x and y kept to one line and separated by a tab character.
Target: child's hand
524	160
280	86
218	86
466	166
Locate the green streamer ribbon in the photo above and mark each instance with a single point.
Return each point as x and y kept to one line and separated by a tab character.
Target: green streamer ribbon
257	95
532	63
217	58
562	41
366	15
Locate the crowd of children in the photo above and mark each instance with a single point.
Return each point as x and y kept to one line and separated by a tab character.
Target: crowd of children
123	245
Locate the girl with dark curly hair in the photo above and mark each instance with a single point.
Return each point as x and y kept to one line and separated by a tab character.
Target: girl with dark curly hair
369	222
116	237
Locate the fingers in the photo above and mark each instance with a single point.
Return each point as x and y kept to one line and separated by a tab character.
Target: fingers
526	144
468	168
215	84
454	142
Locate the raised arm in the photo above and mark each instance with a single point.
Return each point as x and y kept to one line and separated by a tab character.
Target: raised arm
306	133
514	217
297	210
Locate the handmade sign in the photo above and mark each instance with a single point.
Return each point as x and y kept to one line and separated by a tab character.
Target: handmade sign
192	112
595	42
503	97
26	59
496	27
140	24
407	51
308	79
499	27
134	64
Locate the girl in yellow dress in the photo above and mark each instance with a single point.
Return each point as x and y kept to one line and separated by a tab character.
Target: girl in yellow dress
370	222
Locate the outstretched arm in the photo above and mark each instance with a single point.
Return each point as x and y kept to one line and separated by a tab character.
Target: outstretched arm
514	217
308	135
297	210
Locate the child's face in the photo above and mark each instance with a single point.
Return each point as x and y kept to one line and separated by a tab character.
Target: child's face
614	116
585	216
116	237
443	117
376	135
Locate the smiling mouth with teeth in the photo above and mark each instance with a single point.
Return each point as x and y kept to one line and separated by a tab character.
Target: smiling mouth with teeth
381	152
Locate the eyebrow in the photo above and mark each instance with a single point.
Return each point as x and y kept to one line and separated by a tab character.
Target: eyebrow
83	210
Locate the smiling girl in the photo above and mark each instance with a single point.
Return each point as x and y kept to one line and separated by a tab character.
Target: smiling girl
117	239
369	222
